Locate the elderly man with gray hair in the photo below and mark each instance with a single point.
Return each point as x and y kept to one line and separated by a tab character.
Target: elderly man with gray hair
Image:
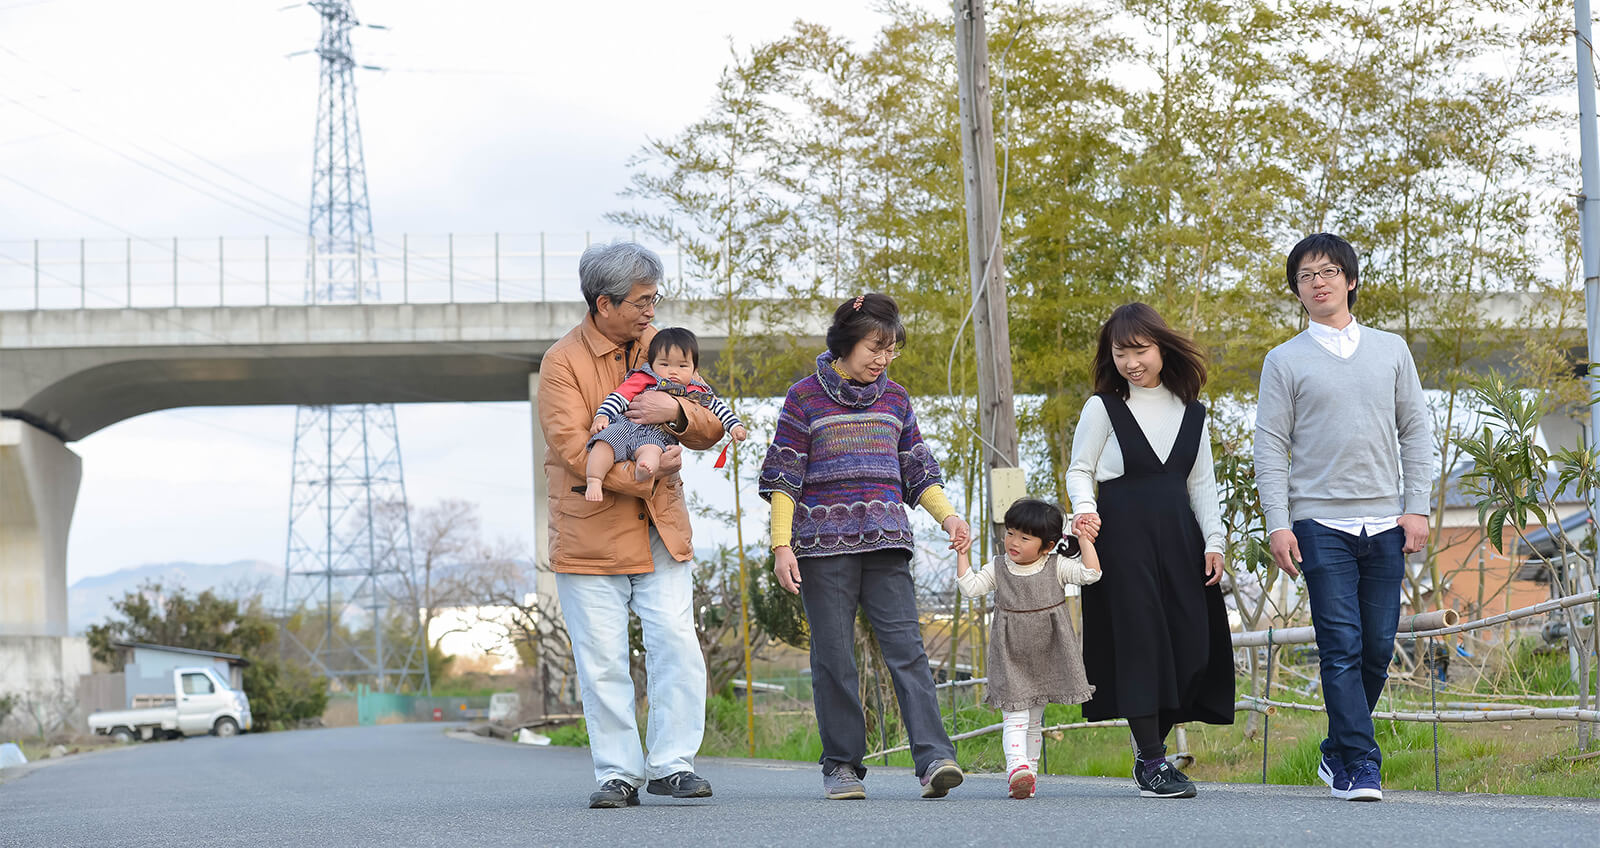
630	550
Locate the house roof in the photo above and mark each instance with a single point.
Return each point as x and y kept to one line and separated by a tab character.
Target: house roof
1456	495
1541	544
232	658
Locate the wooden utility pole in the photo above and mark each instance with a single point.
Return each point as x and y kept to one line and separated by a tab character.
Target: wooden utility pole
986	261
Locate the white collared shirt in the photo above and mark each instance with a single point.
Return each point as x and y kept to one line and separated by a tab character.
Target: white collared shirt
1340	343
1343	343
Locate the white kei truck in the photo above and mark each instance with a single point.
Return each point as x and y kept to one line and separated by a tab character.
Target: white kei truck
201	703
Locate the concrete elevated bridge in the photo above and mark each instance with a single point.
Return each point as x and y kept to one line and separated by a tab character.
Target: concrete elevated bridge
70	371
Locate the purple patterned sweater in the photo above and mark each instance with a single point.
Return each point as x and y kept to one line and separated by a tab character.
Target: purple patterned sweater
851	458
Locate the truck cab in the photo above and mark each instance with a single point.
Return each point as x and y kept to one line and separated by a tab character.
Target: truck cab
205	701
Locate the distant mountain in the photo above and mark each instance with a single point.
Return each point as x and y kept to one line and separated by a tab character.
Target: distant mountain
89	600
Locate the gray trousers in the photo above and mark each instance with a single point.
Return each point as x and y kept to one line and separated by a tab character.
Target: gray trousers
879	583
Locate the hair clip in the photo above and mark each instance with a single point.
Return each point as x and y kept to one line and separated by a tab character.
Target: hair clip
857	305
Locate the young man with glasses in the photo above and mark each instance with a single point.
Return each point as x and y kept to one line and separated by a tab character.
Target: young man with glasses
1344	465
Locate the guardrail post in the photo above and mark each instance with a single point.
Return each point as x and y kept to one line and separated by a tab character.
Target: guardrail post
451	239
1433	700
496	267
174	271
541	267
360	286
313	270
127	258
222	285
1266	718
266	269
35	273
83	277
405	268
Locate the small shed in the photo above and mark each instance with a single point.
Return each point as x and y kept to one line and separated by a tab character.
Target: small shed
147	669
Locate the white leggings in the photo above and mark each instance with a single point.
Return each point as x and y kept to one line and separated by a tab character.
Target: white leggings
1022	737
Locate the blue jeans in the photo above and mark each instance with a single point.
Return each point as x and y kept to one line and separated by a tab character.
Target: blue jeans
596	608
1354	586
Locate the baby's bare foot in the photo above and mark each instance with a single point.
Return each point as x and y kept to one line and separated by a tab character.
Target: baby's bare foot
594	492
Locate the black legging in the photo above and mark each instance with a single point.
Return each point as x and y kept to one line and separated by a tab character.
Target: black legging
1150	734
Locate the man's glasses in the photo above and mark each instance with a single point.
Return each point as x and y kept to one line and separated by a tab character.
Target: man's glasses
644	303
1327	273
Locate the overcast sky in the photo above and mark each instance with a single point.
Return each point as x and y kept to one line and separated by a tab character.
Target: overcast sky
494	116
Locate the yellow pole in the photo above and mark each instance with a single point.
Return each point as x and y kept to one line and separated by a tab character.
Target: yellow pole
738	523
744	610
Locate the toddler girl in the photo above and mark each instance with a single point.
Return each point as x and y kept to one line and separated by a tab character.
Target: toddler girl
672	366
1034	654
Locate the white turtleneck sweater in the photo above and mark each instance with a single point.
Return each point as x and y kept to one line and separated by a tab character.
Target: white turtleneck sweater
1070	571
1096	456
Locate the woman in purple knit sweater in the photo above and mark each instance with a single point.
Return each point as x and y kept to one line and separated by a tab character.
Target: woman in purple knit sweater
845	462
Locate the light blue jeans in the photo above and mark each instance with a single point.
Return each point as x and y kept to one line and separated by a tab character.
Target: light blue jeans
596	607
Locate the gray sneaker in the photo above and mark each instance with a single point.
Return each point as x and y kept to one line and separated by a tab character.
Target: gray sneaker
941	777
842	784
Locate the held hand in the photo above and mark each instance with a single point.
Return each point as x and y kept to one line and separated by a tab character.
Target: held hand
1086	526
653	408
600	423
1213	569
671	462
1416	527
1285	551
963	563
739	433
960	533
787	568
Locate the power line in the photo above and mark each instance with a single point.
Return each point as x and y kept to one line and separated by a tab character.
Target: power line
278	221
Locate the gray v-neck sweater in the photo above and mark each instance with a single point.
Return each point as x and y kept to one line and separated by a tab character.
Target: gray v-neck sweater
1342	438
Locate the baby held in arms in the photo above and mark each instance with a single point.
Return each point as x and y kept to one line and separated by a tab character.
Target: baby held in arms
672	365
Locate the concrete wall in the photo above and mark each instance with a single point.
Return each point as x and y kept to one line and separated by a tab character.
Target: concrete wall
42	663
44	671
39	479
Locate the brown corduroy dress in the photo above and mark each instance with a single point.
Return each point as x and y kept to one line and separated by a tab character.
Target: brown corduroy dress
1034	654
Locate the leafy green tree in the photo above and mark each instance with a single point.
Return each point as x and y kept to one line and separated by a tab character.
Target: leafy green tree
158	615
1517	483
282	692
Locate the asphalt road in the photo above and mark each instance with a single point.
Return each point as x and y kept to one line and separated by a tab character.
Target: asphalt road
405	785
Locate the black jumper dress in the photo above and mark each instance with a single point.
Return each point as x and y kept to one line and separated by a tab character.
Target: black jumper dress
1155	637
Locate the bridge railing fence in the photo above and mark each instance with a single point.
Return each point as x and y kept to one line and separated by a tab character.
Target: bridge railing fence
146	273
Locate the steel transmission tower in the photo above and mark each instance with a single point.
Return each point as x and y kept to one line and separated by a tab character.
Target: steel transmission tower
349	551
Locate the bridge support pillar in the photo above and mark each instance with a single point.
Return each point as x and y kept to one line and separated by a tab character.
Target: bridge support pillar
546	580
39	477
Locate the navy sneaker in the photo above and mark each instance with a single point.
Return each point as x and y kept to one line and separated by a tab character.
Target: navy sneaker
1364	783
1162	780
1333	773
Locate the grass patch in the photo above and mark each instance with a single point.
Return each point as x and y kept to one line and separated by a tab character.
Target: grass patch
574	735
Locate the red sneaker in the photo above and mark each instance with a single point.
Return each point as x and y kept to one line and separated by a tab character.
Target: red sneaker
1022	782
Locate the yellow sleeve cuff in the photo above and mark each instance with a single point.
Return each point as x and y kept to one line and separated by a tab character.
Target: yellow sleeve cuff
782	519
936	503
